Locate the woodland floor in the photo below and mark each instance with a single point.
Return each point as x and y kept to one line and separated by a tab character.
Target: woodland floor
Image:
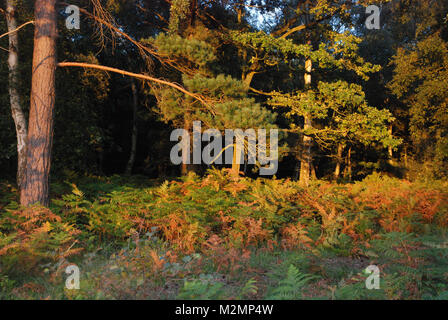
216	238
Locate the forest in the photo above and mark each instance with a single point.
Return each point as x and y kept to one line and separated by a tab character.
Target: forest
224	149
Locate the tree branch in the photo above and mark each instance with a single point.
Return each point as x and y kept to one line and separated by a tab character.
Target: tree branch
16	29
134	75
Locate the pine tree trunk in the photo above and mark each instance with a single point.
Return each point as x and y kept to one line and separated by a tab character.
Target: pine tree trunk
42	101
131	160
337	170
14	97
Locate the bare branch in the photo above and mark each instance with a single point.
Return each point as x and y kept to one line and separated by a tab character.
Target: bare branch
135	75
16	29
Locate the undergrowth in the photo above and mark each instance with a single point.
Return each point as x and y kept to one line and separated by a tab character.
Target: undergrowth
220	238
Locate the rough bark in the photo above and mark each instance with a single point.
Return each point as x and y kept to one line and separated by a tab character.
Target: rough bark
131	160
35	186
14	96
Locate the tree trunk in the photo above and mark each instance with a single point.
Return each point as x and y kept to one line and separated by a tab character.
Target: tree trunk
245	164
235	162
247	78
297	154
240	12
185	155
193	12
295	176
389	149
313	172
14	97
306	159
35	186
349	163
337	170
131	160
406	157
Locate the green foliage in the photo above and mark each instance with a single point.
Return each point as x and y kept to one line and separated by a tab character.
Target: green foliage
6	286
292	286
227	103
249	289
342	109
341	53
217	238
200	290
420	80
178	13
32	236
195	51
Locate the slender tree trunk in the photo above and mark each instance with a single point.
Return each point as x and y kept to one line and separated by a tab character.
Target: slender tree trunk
185	155
235	162
193	11
239	7
131	160
406	174
306	159
14	97
313	172
406	157
349	163
297	154
184	169
245	163
296	170
389	149
35	186
337	170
